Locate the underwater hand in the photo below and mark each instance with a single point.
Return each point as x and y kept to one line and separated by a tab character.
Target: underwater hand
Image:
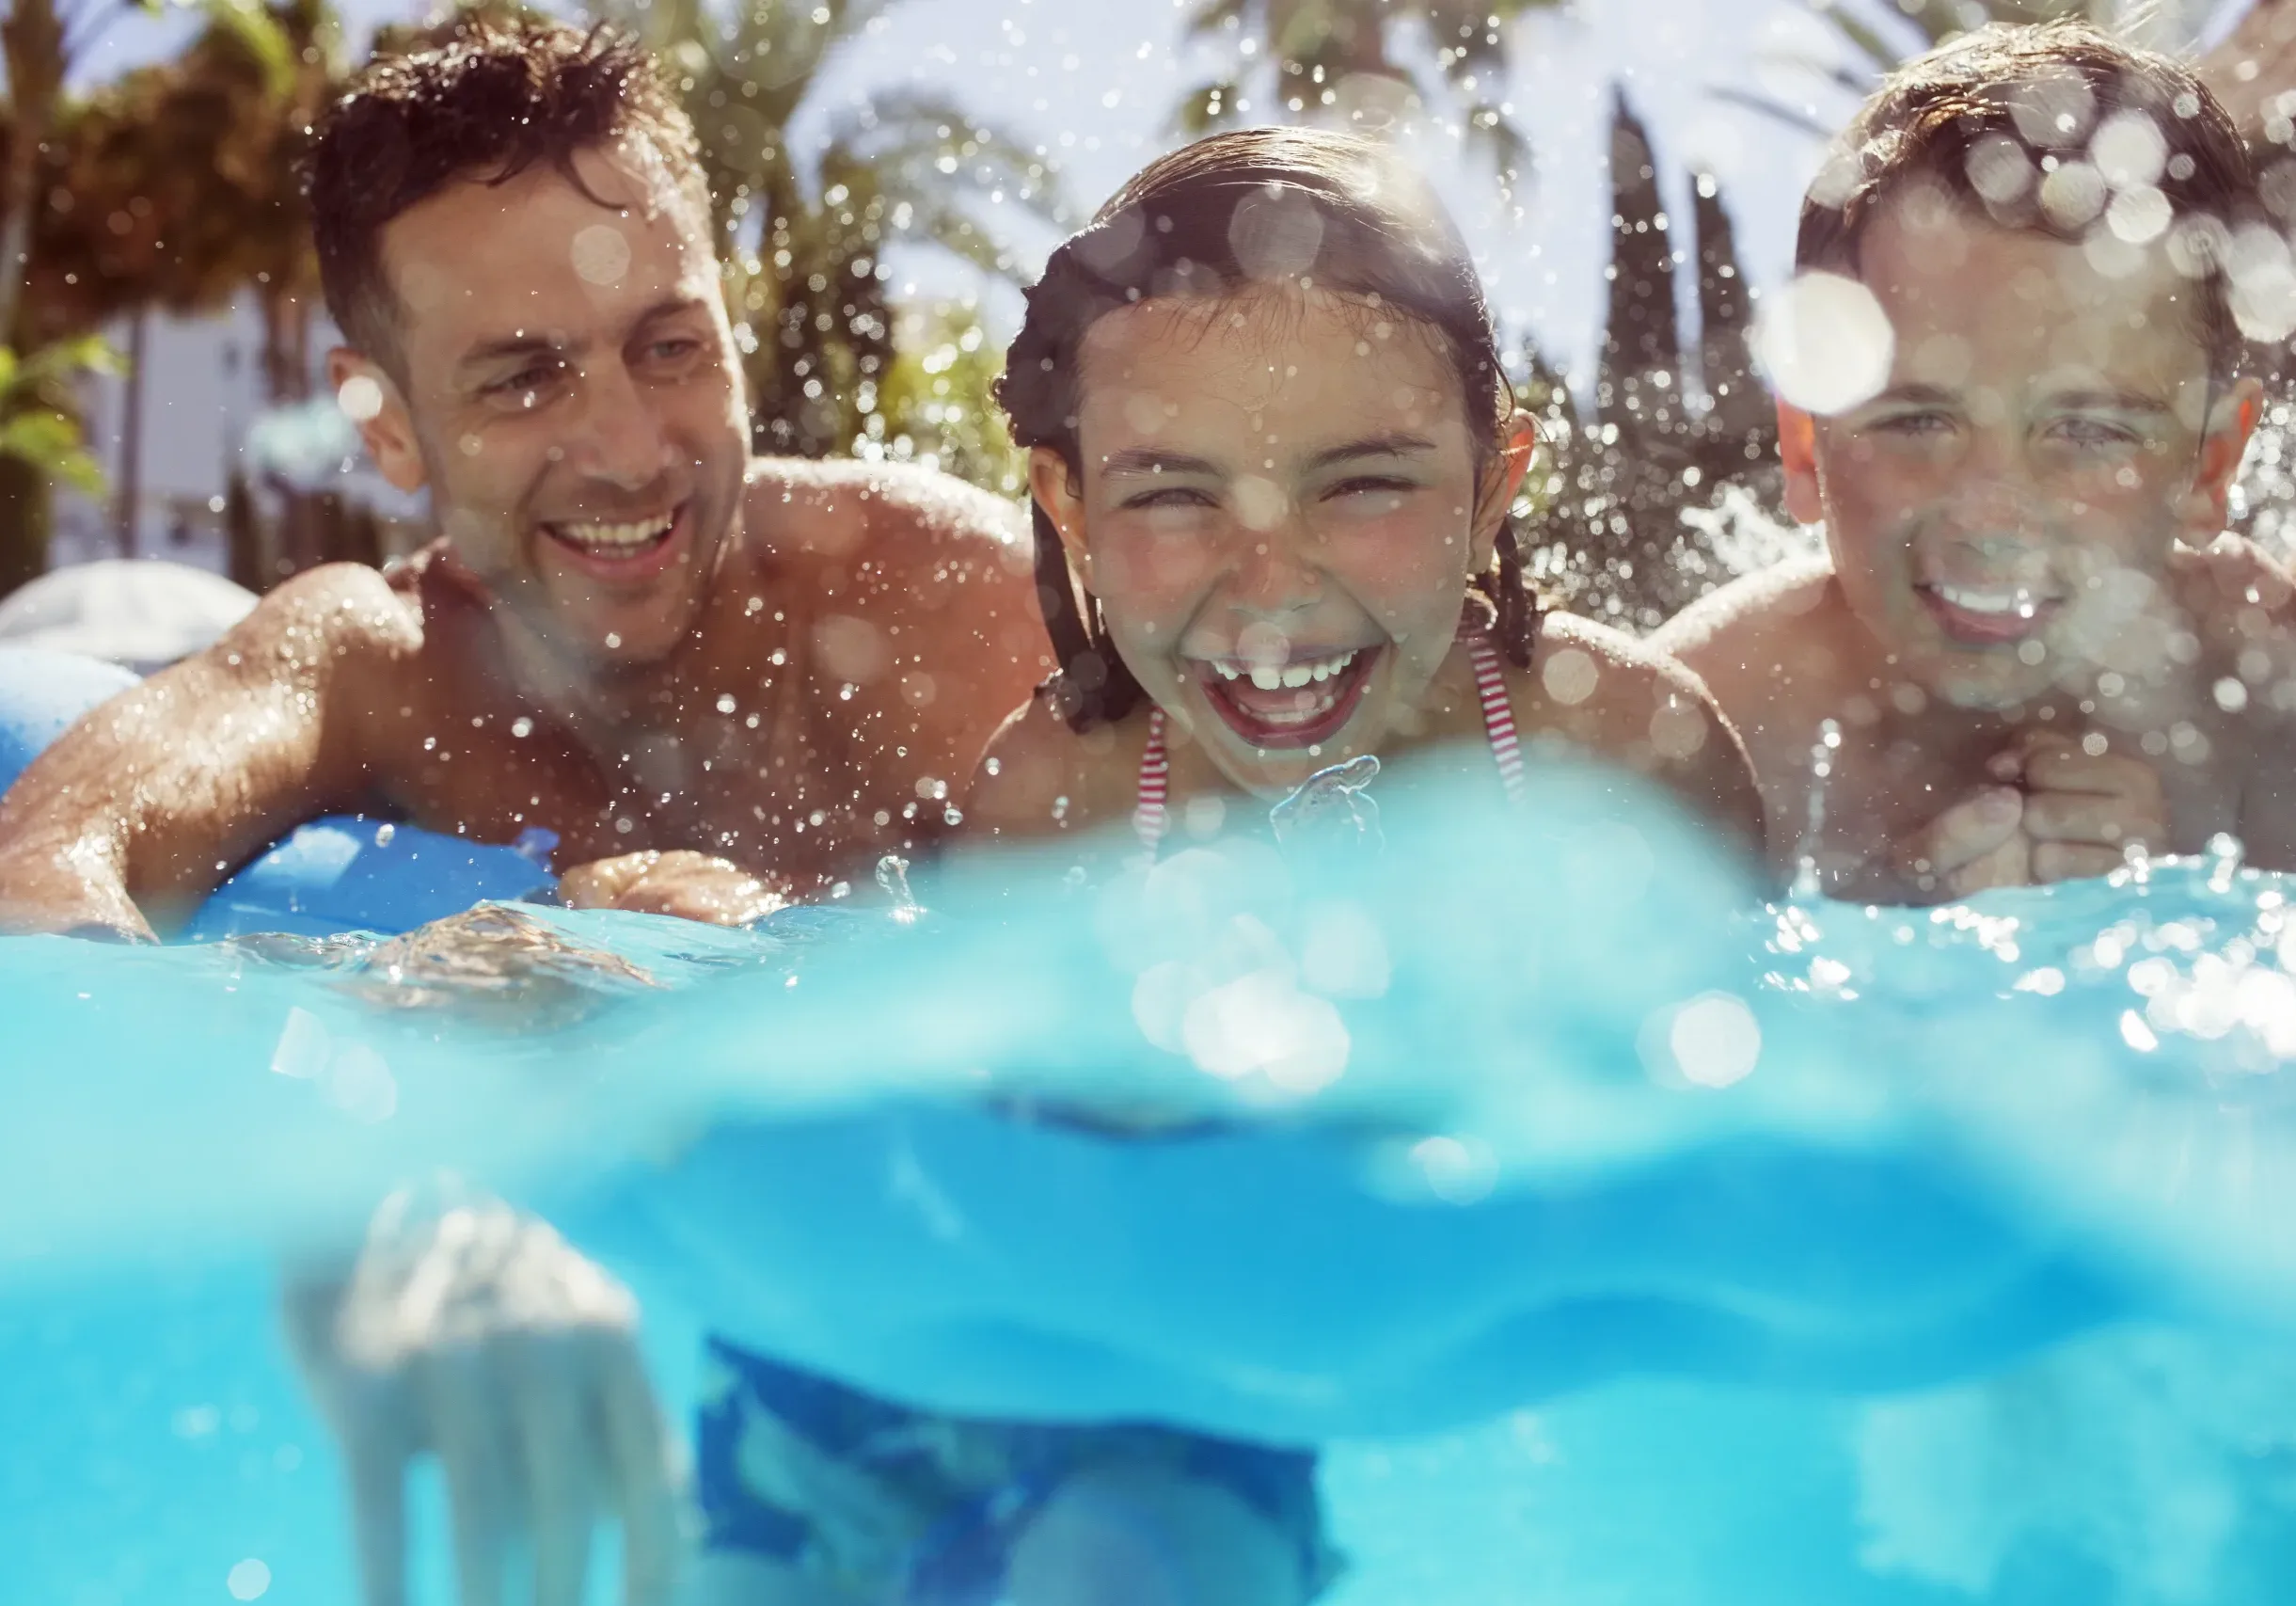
480	1335
690	886
2084	811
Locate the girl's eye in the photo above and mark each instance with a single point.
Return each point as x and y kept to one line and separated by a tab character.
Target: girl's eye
1170	496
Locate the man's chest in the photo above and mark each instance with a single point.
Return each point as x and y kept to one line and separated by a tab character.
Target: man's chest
782	786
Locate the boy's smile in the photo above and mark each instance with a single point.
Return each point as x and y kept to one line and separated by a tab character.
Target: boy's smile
2002	513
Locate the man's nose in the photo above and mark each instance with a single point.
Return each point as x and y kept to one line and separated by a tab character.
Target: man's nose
619	436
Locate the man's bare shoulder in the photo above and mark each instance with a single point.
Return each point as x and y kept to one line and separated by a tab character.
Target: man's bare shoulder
319	620
893	513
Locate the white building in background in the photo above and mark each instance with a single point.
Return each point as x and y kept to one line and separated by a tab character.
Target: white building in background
204	412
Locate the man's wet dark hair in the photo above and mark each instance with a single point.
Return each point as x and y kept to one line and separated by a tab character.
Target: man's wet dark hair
487	101
1233	212
2052	127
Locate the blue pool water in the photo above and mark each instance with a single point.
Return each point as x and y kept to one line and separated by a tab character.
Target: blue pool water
1626	1239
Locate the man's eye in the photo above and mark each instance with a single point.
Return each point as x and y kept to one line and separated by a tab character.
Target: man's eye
675	349
522	386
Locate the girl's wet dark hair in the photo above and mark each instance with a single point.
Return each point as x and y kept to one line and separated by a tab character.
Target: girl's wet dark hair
1256	207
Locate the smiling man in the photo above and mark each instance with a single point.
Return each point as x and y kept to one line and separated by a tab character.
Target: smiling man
717	681
2031	649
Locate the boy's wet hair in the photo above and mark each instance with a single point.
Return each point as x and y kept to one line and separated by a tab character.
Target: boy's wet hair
2052	127
1258	207
487	101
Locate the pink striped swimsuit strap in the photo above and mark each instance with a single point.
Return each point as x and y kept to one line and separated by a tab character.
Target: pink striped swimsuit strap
1151	820
1498	713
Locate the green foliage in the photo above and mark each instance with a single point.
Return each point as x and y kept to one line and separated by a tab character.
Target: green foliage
43	444
935	405
806	276
1333	60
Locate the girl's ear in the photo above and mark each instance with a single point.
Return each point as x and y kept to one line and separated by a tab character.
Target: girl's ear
1502	483
1052	482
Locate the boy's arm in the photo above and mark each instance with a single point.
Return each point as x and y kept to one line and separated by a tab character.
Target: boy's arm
141	809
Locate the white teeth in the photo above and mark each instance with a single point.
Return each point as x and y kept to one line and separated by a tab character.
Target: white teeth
2019	602
636	535
1278	677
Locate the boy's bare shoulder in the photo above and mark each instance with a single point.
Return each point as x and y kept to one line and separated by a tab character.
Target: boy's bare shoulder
1736	630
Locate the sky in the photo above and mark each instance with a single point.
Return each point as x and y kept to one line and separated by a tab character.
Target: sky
1093	82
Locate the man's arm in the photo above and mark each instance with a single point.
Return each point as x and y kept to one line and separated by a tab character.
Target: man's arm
141	809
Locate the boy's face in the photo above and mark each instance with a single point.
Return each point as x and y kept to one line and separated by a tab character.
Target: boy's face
2002	513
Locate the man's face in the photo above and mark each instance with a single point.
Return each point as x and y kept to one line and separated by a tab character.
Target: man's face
2002	513
570	395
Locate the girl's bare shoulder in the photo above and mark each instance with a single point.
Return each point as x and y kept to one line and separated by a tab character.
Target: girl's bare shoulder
1041	777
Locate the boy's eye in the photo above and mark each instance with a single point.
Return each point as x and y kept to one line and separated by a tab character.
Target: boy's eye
2093	433
1371	485
1914	425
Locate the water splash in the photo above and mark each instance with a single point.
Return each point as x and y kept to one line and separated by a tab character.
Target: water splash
1332	805
893	881
1806	882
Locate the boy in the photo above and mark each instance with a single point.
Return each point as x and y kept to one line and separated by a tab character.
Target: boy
2036	654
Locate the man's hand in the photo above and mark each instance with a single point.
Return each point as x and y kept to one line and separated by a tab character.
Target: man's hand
481	1336
1975	845
692	886
2085	810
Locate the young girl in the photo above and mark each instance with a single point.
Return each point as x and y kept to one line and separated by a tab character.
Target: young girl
1270	435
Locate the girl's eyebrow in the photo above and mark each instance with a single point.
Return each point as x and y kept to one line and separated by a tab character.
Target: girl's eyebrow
1156	460
1394	444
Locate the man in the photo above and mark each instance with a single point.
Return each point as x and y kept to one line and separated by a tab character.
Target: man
2024	654
717	680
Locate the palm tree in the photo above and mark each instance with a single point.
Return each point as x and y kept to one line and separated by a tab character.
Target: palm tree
1333	60
806	271
43	444
1926	24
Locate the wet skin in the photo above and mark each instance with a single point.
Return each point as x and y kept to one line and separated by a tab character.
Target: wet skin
2036	650
633	634
1288	480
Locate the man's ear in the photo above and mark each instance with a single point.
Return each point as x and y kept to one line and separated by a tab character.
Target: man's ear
1052	482
1502	483
1798	455
2223	447
369	397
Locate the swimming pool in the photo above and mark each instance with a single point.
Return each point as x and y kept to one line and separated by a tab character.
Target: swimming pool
1627	1239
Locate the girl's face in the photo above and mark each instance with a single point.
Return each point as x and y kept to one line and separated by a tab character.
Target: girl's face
1279	508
